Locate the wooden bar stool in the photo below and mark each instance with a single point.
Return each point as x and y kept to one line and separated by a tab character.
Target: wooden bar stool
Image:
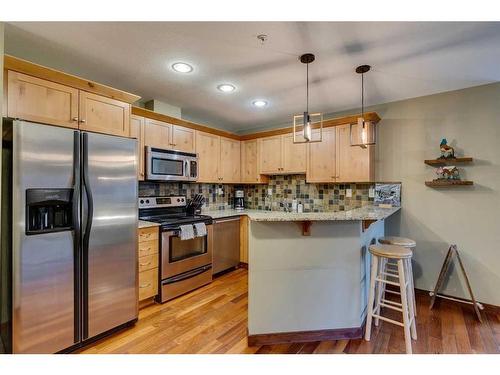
379	277
391	266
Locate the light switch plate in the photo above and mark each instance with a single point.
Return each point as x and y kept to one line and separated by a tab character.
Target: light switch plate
348	193
270	191
371	193
220	191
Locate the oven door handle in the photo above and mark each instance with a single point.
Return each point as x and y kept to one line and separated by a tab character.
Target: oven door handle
187	275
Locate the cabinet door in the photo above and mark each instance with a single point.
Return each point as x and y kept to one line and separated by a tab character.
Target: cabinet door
137	131
250	162
270	155
294	155
354	164
183	139
104	115
229	170
35	99
208	149
157	134
321	164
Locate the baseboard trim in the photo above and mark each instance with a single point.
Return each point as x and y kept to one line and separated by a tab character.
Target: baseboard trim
305	336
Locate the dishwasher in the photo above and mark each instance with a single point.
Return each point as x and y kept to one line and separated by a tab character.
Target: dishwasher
226	244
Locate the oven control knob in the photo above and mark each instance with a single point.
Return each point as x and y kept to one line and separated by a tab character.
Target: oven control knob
182	199
178	200
147	201
142	201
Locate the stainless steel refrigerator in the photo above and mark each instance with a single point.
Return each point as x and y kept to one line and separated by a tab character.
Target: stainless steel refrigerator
69	234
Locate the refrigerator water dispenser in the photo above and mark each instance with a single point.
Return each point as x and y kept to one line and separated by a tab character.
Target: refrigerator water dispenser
49	210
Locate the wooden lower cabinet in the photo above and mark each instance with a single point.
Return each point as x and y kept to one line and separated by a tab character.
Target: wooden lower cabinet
148	259
244	223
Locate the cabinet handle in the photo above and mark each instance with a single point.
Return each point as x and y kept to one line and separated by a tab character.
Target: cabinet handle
75	118
145	250
144	264
83	121
145	285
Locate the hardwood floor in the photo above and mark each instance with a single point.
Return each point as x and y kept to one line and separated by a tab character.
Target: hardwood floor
213	319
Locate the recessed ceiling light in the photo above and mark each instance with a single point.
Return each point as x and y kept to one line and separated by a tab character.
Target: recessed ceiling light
182	67
226	87
259	103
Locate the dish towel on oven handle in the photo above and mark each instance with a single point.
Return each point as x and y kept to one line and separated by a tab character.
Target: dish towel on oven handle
200	229
186	232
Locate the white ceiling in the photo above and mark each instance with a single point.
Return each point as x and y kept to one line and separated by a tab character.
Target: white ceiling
408	60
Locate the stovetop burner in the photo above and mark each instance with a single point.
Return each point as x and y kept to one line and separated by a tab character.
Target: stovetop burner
170	214
175	218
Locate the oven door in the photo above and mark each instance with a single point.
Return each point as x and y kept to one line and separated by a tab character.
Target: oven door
179	256
169	165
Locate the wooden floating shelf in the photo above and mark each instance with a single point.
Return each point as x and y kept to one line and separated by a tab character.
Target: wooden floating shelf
438	162
445	183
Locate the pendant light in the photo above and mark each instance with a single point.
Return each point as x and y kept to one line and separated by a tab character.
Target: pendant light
303	124
363	133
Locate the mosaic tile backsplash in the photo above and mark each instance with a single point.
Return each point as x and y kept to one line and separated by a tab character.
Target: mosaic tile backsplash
314	197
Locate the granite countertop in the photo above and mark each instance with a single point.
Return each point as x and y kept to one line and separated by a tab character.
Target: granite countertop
146	224
363	213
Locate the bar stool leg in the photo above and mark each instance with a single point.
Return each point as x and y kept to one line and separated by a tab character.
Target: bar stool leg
380	289
371	297
404	302
411	300
412	288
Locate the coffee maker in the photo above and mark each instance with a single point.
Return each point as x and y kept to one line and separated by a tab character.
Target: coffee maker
239	200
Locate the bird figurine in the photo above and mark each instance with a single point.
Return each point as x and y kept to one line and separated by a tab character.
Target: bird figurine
447	152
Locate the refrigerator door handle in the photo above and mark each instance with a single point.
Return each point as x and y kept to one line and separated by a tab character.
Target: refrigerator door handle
88	192
77	231
86	233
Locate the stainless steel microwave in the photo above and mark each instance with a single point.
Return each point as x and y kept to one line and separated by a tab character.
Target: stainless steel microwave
170	165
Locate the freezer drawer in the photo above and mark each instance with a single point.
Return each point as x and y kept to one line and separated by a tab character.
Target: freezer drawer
226	244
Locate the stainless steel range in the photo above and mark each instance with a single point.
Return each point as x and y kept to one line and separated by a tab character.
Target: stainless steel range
185	264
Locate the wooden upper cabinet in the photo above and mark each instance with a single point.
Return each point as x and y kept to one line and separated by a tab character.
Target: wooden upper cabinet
294	155
279	155
321	160
34	99
354	164
270	155
208	149
250	164
183	139
137	131
157	134
229	166
104	115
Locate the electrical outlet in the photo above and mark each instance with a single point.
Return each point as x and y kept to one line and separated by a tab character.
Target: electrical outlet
270	191
371	193
348	193
220	191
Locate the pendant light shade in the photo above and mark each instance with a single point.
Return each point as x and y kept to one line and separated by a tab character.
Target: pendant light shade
307	127
363	133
